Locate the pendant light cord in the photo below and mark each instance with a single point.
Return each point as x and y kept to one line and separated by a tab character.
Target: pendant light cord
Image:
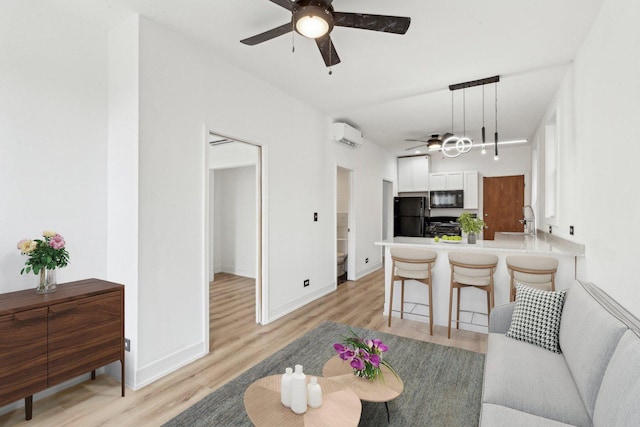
464	112
483	133
452	113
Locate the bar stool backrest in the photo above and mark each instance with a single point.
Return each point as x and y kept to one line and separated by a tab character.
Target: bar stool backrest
532	270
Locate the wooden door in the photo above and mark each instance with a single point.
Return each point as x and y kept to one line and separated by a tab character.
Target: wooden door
503	199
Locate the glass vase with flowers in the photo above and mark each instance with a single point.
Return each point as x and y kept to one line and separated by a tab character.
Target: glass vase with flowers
44	257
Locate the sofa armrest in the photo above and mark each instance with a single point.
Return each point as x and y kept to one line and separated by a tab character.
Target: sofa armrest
500	318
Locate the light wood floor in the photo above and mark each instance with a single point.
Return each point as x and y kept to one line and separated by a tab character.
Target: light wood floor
237	343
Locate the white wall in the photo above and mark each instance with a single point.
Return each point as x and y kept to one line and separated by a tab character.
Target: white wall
235	221
598	106
182	87
53	139
344	190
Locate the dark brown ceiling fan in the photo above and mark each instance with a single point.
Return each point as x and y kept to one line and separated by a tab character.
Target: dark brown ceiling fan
316	18
435	141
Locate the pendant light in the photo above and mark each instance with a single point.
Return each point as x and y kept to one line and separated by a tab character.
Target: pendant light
464	144
484	140
495	135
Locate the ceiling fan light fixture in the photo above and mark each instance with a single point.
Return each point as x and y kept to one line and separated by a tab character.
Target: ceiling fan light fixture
313	21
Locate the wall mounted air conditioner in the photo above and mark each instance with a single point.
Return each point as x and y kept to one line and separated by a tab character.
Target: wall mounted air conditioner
342	132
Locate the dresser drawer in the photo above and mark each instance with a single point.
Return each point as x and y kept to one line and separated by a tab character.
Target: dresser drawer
84	335
23	354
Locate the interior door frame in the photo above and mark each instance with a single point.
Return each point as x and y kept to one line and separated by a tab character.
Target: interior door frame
261	315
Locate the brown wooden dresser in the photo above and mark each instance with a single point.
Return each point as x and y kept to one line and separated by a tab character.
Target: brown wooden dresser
48	339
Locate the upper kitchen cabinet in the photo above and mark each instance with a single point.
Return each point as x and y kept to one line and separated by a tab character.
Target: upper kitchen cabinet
413	174
471	190
446	181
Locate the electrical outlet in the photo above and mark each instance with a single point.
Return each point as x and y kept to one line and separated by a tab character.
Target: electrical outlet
571	230
127	344
306	283
315	217
366	260
550	230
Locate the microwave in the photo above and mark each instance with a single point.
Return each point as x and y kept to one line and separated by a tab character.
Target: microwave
446	199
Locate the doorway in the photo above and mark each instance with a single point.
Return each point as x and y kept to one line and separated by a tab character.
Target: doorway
345	249
503	200
234	213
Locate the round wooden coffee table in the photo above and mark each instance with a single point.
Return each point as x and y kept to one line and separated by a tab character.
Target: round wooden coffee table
381	390
340	405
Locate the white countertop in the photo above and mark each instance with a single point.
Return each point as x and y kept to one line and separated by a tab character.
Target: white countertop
541	244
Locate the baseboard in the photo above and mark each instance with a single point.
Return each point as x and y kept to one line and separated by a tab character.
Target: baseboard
291	306
229	269
156	370
367	271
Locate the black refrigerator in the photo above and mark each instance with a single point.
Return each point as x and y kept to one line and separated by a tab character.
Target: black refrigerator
409	216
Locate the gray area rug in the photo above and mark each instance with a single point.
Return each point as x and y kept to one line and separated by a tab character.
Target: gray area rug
442	385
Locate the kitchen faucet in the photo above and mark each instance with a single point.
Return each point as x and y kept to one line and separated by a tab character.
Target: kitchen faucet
529	222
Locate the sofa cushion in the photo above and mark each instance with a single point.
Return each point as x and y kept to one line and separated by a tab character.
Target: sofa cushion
536	317
588	337
501	416
500	318
618	402
531	379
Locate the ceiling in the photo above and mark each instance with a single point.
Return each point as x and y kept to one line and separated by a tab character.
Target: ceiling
393	87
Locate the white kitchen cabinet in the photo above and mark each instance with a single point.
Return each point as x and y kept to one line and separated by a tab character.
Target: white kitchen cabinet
413	174
455	181
437	181
471	197
446	181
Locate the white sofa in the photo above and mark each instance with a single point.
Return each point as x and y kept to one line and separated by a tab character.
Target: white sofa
595	381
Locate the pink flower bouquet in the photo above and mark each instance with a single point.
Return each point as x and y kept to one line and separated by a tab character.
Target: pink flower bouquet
48	253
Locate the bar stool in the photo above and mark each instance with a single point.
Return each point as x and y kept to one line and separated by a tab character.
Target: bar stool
471	269
534	271
411	264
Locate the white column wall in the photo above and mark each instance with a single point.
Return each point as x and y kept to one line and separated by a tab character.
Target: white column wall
122	175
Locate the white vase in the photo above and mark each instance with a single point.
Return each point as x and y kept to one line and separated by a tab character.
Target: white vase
299	391
314	393
285	388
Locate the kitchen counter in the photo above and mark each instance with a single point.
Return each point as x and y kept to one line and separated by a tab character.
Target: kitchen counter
541	244
569	254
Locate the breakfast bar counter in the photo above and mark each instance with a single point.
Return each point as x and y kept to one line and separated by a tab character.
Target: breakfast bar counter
473	302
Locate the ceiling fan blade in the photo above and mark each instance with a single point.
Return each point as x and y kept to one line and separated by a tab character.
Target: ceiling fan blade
268	35
365	21
417	140
287	4
328	51
413	148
